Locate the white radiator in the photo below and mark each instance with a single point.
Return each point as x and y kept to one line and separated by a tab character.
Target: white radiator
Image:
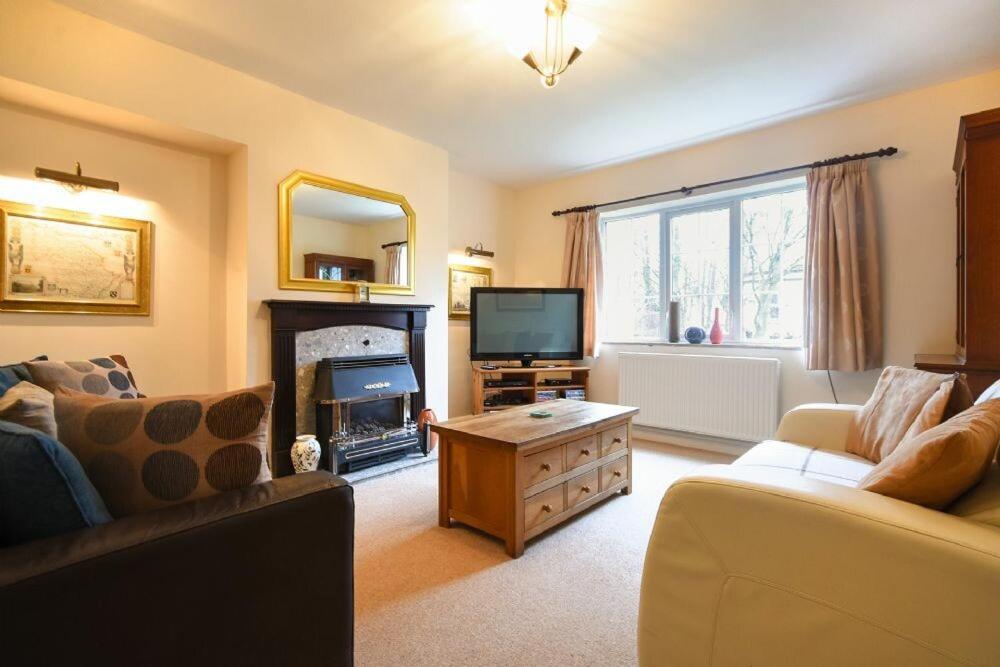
727	397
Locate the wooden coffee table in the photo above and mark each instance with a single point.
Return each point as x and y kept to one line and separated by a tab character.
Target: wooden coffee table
515	476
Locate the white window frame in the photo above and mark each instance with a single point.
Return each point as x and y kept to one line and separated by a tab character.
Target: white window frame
713	202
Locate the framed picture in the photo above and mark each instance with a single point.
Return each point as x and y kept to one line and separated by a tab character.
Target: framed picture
461	280
56	261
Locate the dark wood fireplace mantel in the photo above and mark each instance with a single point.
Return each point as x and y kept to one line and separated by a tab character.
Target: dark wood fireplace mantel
289	317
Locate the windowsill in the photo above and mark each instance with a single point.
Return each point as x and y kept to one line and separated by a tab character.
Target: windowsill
730	344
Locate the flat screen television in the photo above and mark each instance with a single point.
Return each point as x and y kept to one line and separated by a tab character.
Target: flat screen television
526	324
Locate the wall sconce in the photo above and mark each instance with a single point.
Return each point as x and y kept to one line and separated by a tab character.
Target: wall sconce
75	182
477	250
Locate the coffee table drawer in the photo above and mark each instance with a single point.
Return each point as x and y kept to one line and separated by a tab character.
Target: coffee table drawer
614	473
579	452
543	465
583	487
541	507
614	440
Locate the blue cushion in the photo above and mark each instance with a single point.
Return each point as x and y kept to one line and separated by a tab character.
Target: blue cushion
11	374
43	488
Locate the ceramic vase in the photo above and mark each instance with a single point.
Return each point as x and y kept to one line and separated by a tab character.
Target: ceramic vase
305	453
673	322
716	335
694	335
426	417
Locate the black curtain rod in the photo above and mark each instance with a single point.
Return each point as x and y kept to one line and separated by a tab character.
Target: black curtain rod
882	152
389	245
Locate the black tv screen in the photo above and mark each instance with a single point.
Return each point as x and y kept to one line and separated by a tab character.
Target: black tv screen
526	324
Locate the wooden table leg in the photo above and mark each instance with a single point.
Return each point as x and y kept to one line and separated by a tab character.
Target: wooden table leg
444	450
515	546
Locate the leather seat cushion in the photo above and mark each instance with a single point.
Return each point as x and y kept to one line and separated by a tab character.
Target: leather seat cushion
827	465
981	502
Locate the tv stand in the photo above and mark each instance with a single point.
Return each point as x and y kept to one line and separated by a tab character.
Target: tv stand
533	381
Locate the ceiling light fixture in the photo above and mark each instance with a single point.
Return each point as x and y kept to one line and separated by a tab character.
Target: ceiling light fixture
564	39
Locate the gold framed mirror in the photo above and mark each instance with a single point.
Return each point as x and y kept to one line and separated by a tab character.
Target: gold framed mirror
334	236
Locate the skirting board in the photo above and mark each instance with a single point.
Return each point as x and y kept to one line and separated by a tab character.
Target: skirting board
691	440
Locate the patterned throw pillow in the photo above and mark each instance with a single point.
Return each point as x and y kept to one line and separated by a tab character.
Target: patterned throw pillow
153	452
104	376
29	406
11	374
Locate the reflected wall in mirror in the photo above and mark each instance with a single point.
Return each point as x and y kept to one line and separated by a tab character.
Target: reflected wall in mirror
334	235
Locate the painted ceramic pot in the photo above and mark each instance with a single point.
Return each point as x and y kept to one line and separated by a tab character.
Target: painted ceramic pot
426	417
305	453
694	335
717	335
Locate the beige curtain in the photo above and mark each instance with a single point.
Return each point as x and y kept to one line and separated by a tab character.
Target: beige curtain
843	306
394	264
583	266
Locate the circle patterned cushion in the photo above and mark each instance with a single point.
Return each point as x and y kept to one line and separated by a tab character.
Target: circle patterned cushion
151	452
104	376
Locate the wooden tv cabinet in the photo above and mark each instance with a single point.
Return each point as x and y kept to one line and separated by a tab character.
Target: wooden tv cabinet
515	476
533	379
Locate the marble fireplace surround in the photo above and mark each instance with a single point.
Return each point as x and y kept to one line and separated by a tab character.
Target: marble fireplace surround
302	332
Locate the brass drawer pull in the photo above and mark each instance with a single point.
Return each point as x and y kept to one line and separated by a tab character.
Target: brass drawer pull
585	452
546	508
585	489
546	466
616	441
617	473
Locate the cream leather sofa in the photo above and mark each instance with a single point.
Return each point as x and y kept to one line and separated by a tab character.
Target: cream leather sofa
778	560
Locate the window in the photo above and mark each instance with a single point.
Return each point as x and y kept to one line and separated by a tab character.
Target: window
742	253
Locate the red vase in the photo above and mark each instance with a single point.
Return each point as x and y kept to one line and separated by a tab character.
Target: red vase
425	417
716	335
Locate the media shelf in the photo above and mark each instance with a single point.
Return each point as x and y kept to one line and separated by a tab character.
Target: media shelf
578	377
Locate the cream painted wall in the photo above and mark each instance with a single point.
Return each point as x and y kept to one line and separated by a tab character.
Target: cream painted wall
328	237
180	347
915	196
479	212
115	73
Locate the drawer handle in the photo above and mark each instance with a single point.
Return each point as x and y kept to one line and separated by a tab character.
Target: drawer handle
546	508
616	441
617	473
585	452
546	466
585	489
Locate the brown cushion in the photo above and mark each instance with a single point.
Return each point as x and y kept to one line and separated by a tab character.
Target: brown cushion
905	403
102	376
153	452
31	406
937	466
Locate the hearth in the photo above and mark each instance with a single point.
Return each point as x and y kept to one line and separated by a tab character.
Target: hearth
363	411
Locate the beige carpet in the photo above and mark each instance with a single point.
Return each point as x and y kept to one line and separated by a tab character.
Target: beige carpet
434	596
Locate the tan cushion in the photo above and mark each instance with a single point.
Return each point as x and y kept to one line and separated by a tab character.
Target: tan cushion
981	502
939	465
102	376
152	452
831	466
29	405
905	403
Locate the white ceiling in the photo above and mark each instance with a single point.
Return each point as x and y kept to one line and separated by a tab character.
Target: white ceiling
662	73
317	202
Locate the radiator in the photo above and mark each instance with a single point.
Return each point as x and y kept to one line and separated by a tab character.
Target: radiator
726	397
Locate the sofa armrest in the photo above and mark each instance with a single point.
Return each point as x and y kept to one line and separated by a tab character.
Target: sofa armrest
227	579
750	566
822	425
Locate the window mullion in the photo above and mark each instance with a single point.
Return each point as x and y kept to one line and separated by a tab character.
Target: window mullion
664	273
735	271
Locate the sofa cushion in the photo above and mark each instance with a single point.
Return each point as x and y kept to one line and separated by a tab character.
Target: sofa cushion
43	489
103	376
939	465
981	502
831	466
31	406
153	452
11	374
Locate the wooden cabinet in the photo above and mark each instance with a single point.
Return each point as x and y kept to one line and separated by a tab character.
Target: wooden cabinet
977	255
514	476
339	267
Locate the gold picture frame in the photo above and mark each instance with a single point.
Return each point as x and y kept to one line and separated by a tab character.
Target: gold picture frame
35	235
461	278
285	279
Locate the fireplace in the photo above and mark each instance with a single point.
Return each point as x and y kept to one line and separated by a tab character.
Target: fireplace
363	411
295	320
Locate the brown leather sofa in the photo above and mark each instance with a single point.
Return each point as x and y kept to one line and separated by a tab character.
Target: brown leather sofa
259	576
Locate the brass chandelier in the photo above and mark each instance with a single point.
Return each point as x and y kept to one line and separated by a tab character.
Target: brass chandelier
564	40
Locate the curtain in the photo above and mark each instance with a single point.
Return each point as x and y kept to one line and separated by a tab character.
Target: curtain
842	300
394	264
583	266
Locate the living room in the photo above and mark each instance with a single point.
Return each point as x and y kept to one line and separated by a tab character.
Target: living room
203	140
